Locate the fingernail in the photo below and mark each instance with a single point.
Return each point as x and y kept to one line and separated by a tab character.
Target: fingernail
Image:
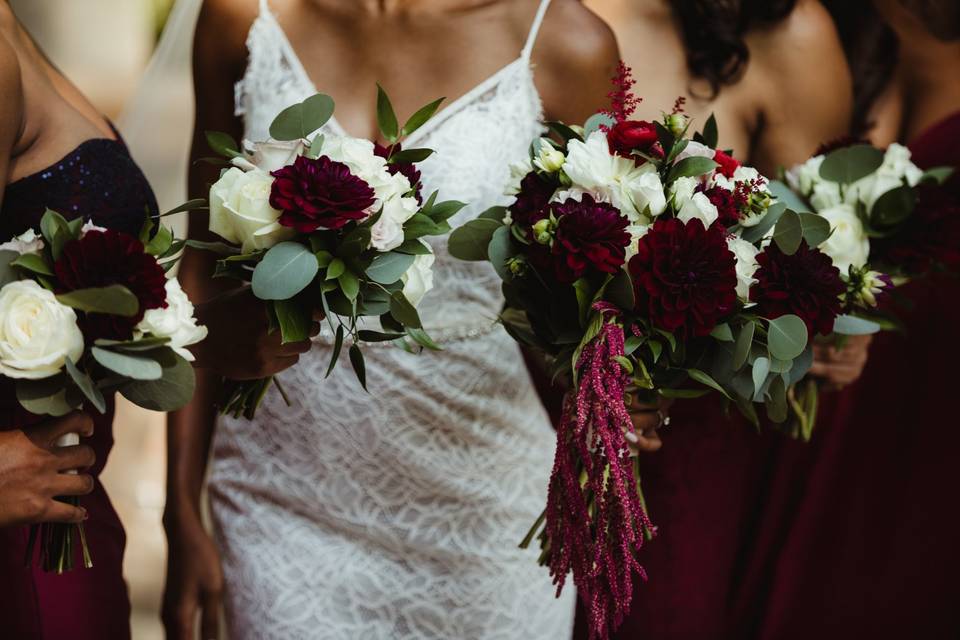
631	437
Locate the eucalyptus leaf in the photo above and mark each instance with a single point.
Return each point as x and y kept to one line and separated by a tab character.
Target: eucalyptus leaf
691	167
501	251
847	325
744	341
47	397
849	164
223	144
787	337
757	232
114	300
793	228
470	241
388	268
414	248
761	369
301	120
597	121
285	270
86	386
171	392
787	196
777	400
128	366
937	175
294	317
893	207
723	333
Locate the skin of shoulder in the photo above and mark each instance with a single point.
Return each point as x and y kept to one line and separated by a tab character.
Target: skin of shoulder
801	78
575	55
11	109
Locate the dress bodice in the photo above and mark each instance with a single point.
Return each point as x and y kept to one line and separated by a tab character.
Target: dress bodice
475	138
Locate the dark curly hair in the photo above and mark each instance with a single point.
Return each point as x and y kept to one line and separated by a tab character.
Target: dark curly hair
713	34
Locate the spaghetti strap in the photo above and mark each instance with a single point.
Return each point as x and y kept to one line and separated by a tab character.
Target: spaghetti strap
264	7
534	28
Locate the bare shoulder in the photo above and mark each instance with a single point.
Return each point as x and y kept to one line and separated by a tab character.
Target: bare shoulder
576	54
802	50
11	93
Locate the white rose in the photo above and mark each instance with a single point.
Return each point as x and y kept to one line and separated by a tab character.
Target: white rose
636	232
27	242
682	190
272	155
848	243
176	322
518	171
744	173
418	279
645	191
698	207
747	265
825	195
240	210
37	333
359	155
803	177
896	161
386	234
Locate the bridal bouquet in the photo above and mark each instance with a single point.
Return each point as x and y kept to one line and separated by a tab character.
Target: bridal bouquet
85	312
327	224
646	262
889	223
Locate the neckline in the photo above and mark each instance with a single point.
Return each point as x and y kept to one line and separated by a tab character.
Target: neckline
80	147
441	116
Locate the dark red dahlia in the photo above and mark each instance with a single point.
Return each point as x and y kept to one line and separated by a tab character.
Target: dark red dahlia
319	193
531	203
630	137
591	236
104	258
727	163
805	284
684	276
407	169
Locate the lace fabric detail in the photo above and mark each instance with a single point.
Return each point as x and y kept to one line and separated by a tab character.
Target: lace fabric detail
397	514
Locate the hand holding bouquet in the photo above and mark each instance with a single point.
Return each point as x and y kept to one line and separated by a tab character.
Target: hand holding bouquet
327	224
85	312
646	262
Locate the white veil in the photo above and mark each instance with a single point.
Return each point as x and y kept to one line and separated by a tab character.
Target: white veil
157	123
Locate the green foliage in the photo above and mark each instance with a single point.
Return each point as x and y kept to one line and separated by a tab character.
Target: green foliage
787	337
299	121
849	164
115	300
285	270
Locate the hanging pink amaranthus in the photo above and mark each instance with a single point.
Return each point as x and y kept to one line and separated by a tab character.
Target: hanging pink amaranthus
595	517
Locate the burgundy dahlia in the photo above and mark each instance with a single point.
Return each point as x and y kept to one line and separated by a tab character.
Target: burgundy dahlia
805	284
727	163
407	169
104	258
684	276
630	137
319	193
591	236
531	203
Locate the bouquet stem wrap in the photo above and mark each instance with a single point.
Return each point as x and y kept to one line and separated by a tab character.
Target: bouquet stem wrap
595	517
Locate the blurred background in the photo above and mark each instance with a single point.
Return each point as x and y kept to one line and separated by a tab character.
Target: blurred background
104	47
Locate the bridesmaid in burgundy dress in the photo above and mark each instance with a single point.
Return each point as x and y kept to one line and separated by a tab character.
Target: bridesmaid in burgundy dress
860	530
56	151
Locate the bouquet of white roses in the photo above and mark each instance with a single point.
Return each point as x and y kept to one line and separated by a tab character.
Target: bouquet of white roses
85	312
329	224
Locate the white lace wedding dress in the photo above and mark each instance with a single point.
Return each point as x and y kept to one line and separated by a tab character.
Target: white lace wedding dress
396	514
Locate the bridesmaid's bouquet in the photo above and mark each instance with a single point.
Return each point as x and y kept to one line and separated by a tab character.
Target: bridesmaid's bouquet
645	262
889	223
327	224
86	312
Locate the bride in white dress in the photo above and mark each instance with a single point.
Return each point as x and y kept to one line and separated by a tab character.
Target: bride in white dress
394	514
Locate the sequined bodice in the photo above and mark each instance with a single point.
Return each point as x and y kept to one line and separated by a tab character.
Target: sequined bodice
98	181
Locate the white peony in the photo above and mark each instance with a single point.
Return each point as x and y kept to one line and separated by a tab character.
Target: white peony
848	243
747	265
37	333
698	207
418	279
175	322
27	242
271	155
240	210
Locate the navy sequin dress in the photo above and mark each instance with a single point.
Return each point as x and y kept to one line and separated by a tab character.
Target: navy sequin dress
99	182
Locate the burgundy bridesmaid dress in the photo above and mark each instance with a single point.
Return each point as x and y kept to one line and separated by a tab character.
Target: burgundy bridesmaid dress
99	182
860	536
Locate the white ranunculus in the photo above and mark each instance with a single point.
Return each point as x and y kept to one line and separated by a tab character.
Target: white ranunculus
698	207
825	195
272	155
386	234
175	322
418	279
37	333
645	192
747	265
240	210
682	190
27	242
896	161
803	177
848	243
636	232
